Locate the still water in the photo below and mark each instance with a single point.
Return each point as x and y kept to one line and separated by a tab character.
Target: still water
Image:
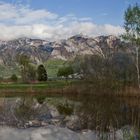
85	112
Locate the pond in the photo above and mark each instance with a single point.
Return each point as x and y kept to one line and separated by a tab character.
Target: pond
103	114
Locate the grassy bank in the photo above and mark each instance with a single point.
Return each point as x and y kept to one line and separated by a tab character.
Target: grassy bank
68	88
42	88
43	85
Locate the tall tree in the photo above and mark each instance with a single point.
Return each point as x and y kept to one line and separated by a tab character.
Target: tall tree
24	61
132	28
28	71
42	73
31	73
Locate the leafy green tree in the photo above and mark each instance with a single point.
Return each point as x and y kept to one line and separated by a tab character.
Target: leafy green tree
42	73
24	61
28	71
14	78
31	73
132	28
65	71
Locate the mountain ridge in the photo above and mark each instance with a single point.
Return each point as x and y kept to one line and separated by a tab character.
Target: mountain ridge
41	50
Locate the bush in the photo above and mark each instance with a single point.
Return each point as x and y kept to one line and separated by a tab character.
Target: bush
14	78
65	71
42	73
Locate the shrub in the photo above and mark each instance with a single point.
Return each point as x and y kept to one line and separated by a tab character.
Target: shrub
42	73
14	78
65	71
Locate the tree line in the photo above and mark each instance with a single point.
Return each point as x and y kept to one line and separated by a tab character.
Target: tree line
28	71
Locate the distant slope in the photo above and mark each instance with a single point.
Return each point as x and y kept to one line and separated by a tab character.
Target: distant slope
81	45
41	50
52	66
54	54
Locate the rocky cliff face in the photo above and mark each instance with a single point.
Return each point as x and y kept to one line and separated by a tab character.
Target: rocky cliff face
41	50
79	45
35	48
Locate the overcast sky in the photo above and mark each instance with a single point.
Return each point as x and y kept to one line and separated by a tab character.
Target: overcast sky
59	19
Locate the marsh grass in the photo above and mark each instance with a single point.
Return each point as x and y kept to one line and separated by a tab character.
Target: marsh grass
105	109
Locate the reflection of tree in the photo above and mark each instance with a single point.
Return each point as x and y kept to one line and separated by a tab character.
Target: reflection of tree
25	110
7	115
105	112
19	111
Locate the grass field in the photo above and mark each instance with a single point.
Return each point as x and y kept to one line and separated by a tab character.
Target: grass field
51	66
53	88
6	72
43	85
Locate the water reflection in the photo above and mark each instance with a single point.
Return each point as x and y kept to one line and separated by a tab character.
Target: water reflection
17	111
107	113
101	113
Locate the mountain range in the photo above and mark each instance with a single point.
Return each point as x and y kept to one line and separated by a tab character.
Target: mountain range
41	50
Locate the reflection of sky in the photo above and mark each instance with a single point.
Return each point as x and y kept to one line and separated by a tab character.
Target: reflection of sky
49	133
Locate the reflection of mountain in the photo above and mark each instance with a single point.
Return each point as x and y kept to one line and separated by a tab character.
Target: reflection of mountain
1	102
41	50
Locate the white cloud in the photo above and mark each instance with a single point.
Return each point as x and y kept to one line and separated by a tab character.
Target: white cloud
27	16
22	14
7	11
21	21
56	32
